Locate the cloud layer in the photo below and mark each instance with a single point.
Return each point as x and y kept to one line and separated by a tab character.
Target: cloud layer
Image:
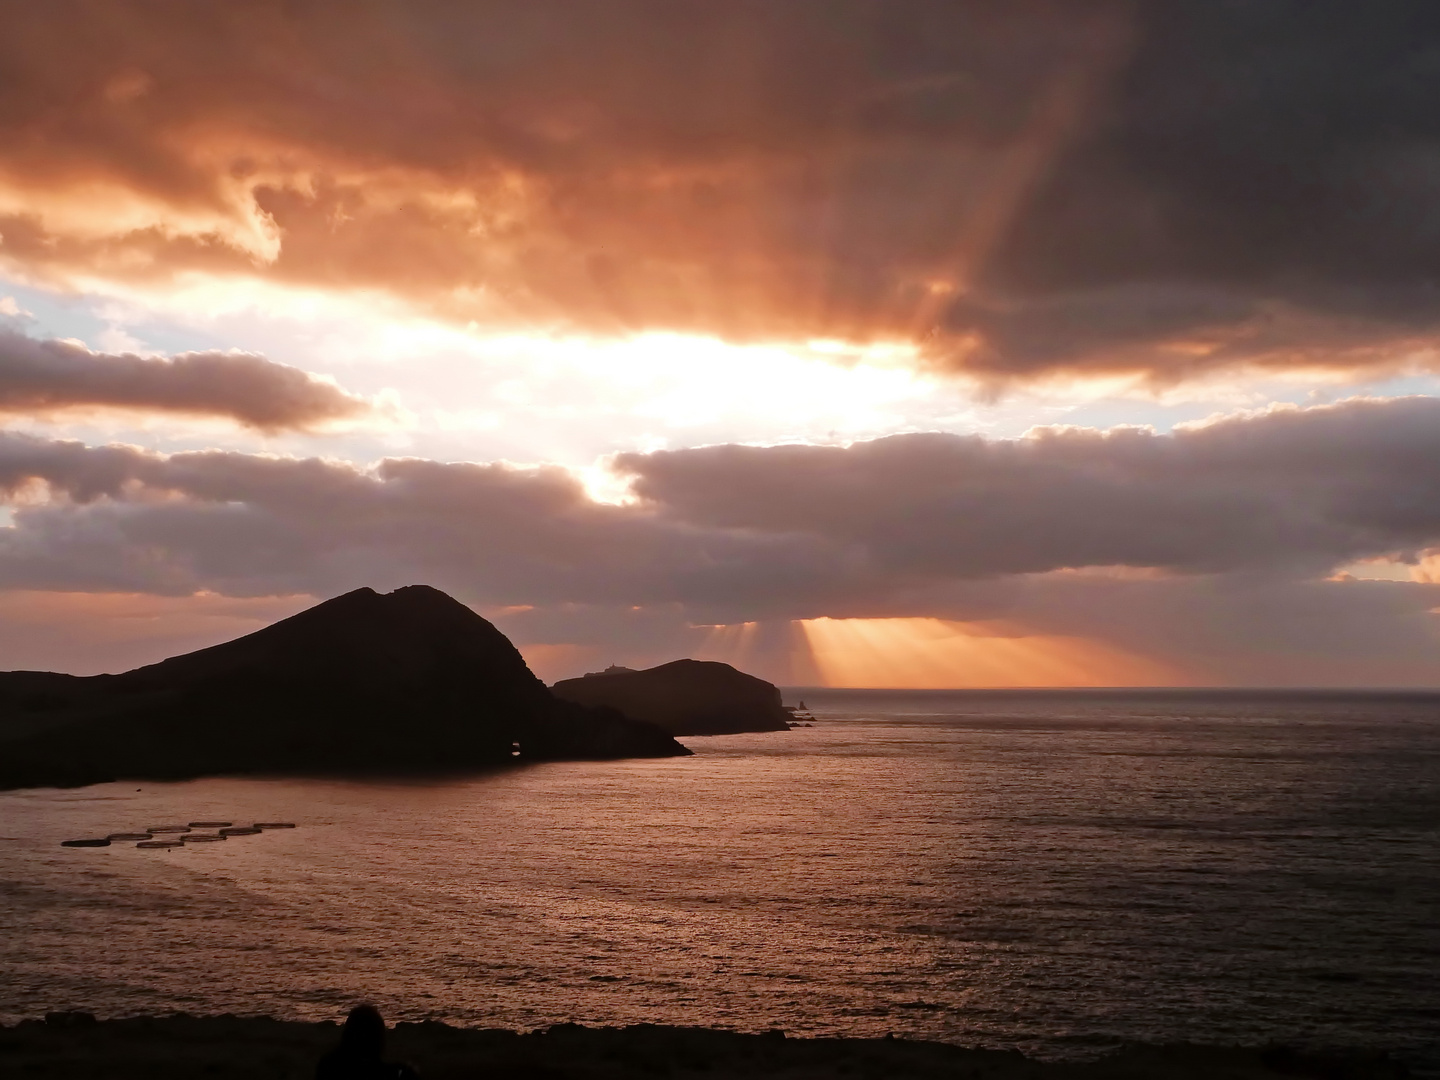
46	377
1293	489
741	532
1029	189
1206	551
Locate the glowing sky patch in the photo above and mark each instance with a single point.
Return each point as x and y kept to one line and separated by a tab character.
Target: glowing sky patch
88	633
937	654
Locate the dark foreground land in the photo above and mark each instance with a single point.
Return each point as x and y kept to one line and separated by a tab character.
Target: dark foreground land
73	1045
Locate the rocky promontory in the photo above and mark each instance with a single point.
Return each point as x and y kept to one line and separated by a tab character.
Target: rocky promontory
685	697
410	682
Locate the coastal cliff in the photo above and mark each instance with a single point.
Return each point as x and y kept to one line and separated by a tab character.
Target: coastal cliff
685	697
410	681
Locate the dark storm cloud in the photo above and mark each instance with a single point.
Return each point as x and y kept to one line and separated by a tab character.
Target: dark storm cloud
1030	188
1249	142
1262	183
44	377
735	533
1292	488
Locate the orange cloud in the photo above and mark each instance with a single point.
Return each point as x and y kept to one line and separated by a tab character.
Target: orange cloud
753	173
1024	189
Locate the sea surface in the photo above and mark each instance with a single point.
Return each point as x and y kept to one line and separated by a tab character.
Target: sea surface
1053	871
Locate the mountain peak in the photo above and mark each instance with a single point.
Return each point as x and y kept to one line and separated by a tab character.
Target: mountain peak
410	680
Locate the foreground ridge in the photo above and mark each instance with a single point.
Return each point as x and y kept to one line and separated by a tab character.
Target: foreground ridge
69	1046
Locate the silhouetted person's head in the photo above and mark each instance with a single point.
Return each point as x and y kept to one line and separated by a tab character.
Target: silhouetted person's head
364	1032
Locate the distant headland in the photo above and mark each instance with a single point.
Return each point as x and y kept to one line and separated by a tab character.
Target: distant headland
407	682
685	697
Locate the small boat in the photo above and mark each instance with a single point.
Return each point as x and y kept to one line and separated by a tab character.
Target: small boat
84	843
274	825
156	830
240	830
128	836
211	824
160	843
202	838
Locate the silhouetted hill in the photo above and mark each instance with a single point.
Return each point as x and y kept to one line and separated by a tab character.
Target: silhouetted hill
685	697
408	681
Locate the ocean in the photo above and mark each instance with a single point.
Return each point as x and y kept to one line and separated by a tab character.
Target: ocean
1052	871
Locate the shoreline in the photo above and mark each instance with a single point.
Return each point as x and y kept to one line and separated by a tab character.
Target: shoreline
76	1045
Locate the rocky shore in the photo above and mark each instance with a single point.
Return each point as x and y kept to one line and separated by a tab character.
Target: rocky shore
74	1045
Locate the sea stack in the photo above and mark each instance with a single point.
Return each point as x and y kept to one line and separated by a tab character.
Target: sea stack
410	681
685	697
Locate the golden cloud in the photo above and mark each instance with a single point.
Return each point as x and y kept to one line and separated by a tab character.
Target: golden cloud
1023	188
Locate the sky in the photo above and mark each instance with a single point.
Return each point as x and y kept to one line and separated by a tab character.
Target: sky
853	342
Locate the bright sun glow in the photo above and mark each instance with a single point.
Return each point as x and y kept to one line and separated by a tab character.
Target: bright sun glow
685	381
923	653
546	396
